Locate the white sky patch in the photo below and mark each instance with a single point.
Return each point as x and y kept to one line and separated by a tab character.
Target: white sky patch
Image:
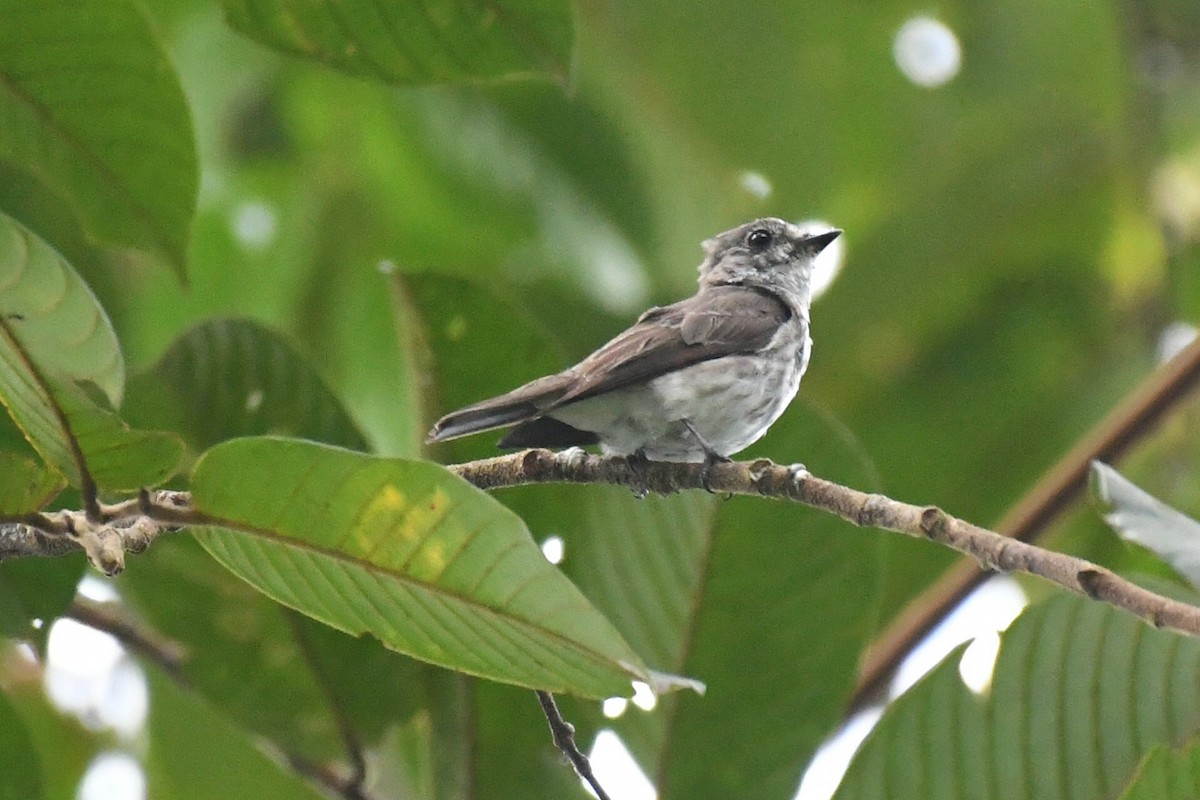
94	588
927	52
829	764
254	224
89	675
1174	338
990	608
829	261
755	183
643	696
113	776
614	707
553	548
616	770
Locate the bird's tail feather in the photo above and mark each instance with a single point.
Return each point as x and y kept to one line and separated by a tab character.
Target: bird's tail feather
508	409
477	418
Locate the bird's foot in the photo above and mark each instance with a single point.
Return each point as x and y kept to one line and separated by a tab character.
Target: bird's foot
711	456
637	462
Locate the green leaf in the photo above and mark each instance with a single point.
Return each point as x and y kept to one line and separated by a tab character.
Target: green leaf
242	653
226	765
228	378
90	105
1167	774
36	589
412	42
26	485
78	437
22	770
52	316
1139	517
54	342
1081	692
401	549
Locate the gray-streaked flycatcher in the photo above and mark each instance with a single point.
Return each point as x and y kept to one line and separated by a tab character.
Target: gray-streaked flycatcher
695	381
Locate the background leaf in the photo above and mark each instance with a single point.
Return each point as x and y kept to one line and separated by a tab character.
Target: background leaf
1081	693
22	775
1139	517
52	315
91	109
1167	774
225	764
411	42
226	378
409	553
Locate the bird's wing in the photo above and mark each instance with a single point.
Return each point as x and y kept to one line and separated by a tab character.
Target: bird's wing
717	322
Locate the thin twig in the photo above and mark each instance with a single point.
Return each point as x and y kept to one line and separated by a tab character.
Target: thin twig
347	788
132	634
1141	410
563	734
170	655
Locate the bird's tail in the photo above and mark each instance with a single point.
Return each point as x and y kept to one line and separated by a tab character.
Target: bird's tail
483	416
508	409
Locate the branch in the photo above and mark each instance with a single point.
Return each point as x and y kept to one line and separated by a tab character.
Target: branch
167	510
763	478
1141	410
105	533
563	734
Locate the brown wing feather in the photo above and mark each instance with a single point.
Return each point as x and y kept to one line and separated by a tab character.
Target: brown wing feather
717	322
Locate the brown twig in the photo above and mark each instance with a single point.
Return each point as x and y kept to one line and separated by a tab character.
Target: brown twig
563	734
134	636
170	655
1050	496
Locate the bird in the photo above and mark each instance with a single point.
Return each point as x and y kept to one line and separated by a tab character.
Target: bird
695	381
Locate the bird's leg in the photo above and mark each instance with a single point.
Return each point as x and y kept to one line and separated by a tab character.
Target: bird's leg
637	461
710	456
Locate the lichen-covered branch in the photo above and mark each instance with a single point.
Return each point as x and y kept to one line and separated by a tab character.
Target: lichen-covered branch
131	526
764	478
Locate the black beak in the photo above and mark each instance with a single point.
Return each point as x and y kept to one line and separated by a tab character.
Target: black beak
819	241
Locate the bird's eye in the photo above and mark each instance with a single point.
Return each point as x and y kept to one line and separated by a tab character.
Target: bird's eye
759	239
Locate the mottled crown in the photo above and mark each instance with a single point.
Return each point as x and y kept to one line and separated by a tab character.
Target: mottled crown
769	253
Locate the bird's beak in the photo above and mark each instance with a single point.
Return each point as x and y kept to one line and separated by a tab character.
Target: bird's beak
819	241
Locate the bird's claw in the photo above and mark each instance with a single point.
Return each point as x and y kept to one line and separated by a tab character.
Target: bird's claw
637	462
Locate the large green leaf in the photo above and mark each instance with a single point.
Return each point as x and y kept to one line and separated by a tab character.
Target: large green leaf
1167	774
26	485
402	549
241	654
227	378
55	341
282	675
411	42
195	754
1081	692
22	770
63	746
36	589
53	317
90	106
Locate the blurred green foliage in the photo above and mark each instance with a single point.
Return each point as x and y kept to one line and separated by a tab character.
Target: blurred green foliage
411	206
